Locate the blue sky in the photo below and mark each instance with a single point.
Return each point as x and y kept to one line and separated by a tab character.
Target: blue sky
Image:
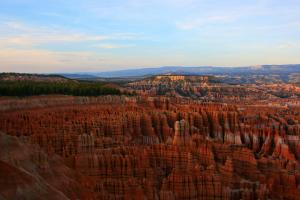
102	35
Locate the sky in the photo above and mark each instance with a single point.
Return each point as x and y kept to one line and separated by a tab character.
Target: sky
102	35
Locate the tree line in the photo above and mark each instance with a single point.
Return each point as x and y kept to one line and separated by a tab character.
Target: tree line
27	88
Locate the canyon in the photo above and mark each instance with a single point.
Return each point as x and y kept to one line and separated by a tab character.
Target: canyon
155	146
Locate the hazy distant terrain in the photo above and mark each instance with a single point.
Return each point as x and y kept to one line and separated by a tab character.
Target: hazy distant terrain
232	75
205	70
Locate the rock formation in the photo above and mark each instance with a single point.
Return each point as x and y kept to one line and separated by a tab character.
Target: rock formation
148	148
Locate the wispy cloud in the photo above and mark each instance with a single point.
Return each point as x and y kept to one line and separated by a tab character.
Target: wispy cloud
222	14
23	47
288	45
33	60
15	33
33	40
198	22
113	46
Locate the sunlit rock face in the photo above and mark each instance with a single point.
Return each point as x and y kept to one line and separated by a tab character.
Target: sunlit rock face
147	148
182	133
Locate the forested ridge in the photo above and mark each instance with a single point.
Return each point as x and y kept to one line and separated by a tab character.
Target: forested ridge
76	88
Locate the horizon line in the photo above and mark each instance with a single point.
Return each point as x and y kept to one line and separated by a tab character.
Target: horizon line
153	67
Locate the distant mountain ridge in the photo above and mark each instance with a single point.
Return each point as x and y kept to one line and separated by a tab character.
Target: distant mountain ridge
205	70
